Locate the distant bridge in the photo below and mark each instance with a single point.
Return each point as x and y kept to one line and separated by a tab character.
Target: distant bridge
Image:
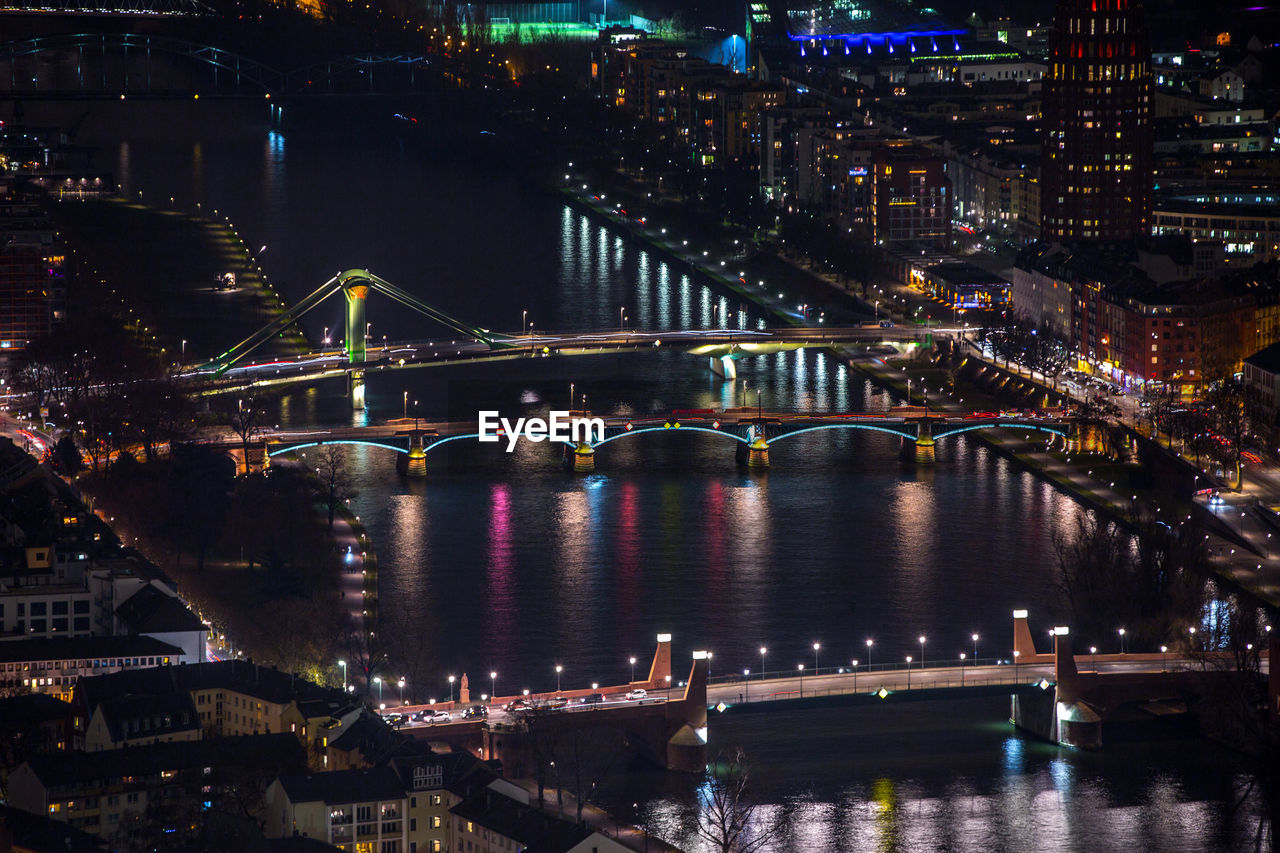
115	65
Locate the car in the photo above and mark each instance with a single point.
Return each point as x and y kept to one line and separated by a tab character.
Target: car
396	719
517	705
593	699
1215	499
439	717
476	712
557	703
638	693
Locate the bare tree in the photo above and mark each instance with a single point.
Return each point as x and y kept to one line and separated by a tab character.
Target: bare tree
727	817
245	421
332	472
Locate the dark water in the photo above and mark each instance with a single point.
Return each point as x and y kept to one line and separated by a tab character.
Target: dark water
505	563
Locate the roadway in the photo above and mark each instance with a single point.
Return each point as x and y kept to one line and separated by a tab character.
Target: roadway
326	363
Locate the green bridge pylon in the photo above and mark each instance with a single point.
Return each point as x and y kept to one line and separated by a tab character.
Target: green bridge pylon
355	285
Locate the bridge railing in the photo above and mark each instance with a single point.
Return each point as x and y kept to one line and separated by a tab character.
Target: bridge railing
861	670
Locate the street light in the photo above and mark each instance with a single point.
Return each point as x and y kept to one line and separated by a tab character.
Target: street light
975	647
801	681
854	663
816	646
870	643
493	689
377	679
1093	651
401	683
908	672
1121	641
406	406
343	664
1164	658
559	669
451	690
633	668
763	650
922	651
962	669
1016	654
746	684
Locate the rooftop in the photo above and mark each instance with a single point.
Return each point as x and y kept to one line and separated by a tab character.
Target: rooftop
80	648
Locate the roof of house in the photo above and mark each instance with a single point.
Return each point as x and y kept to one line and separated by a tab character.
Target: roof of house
279	751
17	712
299	844
80	648
525	824
151	611
128	717
368	733
41	834
246	677
1267	359
344	786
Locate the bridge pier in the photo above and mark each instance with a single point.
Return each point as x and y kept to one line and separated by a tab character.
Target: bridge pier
355	389
584	458
415	464
924	444
724	366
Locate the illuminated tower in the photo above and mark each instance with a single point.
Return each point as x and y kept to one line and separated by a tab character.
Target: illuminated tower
1097	165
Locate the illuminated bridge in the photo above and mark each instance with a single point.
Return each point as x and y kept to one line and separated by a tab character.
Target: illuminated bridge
1064	697
751	432
230	372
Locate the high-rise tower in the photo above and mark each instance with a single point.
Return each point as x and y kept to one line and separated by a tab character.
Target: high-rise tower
1096	170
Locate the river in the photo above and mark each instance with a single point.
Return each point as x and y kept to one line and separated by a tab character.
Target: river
505	563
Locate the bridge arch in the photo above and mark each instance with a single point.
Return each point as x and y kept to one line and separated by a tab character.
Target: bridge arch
900	433
720	432
295	447
1062	431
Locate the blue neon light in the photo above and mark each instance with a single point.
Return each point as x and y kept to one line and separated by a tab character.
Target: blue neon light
871	427
869	37
1007	425
338	441
719	432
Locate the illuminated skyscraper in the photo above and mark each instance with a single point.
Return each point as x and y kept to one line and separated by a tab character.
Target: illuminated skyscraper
1096	172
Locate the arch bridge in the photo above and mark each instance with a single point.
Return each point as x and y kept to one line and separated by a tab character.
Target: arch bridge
752	433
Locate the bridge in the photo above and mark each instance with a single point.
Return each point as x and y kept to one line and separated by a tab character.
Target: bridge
751	432
118	65
1065	698
470	343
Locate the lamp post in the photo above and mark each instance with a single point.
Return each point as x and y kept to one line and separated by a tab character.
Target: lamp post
816	646
401	683
451	690
1016	653
343	664
746	684
1093	653
801	681
870	643
493	685
962	669
908	672
922	651
854	664
406	406
633	668
559	669
763	650
1121	641
974	637
184	349
377	679
1164	658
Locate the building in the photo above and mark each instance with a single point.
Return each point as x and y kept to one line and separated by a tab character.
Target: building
25	832
963	286
1261	372
1097	124
53	666
32	275
912	196
350	809
231	697
126	721
162	783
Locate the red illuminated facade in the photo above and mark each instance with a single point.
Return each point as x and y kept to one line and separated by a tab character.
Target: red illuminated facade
1096	171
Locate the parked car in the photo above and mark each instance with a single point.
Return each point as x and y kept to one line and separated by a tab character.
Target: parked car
638	693
439	717
476	712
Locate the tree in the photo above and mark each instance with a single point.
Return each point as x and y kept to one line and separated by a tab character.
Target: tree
332	472
728	805
1227	407
245	422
